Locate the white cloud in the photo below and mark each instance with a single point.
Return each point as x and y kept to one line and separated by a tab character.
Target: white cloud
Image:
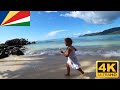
50	11
54	33
94	17
77	34
88	32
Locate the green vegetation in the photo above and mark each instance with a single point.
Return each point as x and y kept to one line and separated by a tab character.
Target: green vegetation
111	31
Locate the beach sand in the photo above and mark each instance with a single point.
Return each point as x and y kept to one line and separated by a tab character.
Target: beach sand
46	67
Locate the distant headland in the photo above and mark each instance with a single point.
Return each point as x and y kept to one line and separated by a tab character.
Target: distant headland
111	31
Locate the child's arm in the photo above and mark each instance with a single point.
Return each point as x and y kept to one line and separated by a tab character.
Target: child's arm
74	48
67	52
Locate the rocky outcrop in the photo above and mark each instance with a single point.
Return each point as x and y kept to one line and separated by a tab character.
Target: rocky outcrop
14	42
4	53
16	51
14	47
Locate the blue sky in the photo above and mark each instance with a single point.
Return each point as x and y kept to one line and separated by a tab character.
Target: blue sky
60	24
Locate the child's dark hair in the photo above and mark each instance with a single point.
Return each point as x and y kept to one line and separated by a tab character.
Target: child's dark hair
69	40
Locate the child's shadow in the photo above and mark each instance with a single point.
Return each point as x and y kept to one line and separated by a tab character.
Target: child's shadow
87	75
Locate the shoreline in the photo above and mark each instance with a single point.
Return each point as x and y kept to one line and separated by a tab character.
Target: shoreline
46	67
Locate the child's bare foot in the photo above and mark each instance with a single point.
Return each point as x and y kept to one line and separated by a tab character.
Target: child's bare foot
67	74
83	72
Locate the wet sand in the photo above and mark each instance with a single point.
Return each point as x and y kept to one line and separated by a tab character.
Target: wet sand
46	67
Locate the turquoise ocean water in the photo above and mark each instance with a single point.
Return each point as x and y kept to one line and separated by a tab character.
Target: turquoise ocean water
104	45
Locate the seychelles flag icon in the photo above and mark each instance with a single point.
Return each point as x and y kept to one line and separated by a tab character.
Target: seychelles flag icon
15	18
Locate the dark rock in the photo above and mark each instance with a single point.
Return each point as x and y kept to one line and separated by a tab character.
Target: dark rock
4	53
19	52
34	42
2	46
10	47
16	41
14	47
16	51
29	43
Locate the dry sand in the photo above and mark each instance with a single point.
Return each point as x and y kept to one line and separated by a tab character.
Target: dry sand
45	67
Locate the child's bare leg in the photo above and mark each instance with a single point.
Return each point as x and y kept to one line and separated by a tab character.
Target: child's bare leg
68	70
81	70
